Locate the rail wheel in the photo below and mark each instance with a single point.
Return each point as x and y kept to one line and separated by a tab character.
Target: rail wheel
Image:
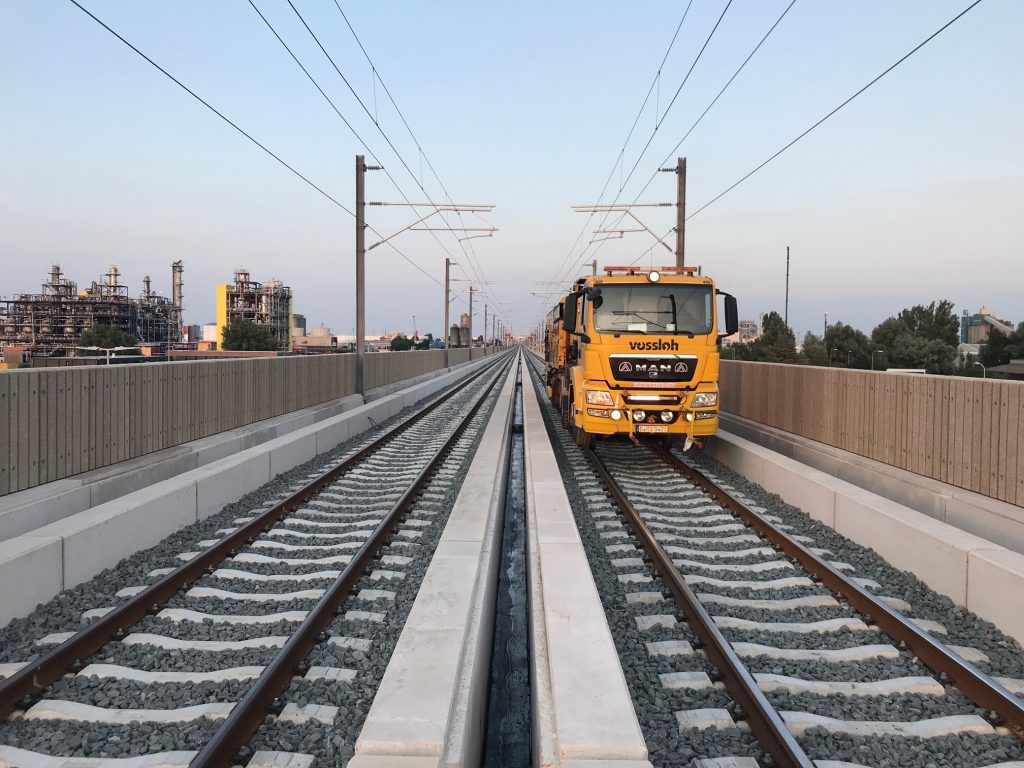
555	393
583	438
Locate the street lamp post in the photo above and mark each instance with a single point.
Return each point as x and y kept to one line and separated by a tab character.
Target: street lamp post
984	370
873	353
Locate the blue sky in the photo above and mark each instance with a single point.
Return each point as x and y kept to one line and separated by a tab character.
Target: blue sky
912	193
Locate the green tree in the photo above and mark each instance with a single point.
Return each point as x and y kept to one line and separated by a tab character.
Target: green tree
400	343
105	336
245	335
813	352
936	321
886	332
426	342
848	347
995	351
933	355
966	366
778	344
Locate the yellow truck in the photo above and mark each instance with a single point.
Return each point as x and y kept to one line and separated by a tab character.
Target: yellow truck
635	352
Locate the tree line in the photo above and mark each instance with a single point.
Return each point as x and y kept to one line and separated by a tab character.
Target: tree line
922	336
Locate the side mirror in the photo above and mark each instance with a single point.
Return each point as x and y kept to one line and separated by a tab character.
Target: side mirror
569	313
594	294
732	315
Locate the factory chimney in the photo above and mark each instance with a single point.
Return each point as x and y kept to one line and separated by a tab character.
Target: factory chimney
146	291
177	270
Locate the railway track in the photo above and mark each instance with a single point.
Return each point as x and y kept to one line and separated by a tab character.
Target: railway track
259	629
786	657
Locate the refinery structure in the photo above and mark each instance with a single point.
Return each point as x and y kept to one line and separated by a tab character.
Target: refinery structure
50	323
268	304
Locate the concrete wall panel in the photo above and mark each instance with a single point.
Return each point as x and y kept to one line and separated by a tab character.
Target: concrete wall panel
60	422
964	432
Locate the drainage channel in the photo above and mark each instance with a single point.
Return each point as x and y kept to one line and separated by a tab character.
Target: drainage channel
507	739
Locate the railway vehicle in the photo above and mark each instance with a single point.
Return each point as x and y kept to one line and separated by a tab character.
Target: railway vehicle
636	352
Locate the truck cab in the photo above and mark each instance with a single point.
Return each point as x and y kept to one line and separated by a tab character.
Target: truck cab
642	354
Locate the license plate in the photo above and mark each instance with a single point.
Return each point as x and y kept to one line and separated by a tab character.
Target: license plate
652	428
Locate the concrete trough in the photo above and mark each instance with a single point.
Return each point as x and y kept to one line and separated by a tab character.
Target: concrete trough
96	538
430	706
972	571
583	713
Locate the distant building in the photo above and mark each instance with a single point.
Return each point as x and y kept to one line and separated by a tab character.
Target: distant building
747	331
320	339
50	323
211	332
298	325
975	329
1013	369
458	336
192	333
268	304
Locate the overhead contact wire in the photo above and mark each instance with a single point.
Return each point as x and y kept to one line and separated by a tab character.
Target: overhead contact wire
235	125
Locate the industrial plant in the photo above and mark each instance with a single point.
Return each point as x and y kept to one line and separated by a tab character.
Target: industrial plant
268	304
50	323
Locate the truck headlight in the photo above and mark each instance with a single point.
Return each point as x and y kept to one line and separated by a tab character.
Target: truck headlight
597	397
704	400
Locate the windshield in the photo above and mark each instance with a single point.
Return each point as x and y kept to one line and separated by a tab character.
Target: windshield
654	308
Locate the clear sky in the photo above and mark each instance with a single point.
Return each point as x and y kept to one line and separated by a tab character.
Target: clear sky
914	192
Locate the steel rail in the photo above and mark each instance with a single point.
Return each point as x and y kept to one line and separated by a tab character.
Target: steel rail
764	720
247	716
50	667
980	688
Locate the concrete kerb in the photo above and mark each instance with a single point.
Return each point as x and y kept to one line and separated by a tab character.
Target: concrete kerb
970	511
995	583
99	537
582	707
430	706
970	570
35	564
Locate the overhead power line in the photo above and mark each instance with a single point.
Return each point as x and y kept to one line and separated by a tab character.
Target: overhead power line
885	72
857	93
632	129
471	256
376	123
235	125
650	139
672	152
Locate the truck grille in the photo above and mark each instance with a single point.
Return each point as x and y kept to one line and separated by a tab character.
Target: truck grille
653	367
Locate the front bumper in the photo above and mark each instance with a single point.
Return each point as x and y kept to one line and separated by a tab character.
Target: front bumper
685	420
